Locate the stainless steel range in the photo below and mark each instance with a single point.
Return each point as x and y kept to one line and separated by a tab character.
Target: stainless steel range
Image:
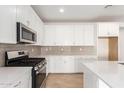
21	58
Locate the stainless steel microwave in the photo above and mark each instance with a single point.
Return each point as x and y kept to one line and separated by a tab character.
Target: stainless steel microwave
25	34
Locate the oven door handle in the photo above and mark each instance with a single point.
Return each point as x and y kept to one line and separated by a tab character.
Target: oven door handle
38	71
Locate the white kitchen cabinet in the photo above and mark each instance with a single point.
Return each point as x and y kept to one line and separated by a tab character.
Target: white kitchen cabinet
108	29
8	24
51	62
15	77
84	34
57	35
50	35
39	28
27	16
10	14
79	35
90	35
22	82
65	64
64	34
69	35
78	66
61	64
25	81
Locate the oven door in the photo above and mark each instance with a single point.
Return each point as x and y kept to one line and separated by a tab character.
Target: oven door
41	77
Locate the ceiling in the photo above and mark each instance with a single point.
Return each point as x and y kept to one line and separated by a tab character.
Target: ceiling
79	13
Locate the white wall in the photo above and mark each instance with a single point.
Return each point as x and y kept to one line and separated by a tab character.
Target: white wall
121	44
102	51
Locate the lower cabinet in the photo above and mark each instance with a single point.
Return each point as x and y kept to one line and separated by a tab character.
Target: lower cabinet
64	64
61	64
25	81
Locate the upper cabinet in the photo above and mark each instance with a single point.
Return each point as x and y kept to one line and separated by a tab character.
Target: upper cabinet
8	24
84	34
64	35
70	35
108	29
27	16
49	35
10	14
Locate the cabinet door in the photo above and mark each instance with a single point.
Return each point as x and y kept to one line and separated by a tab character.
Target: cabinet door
51	64
102	29
79	35
8	24
65	64
24	15
60	65
84	35
25	81
64	34
50	35
108	29
21	14
114	29
40	33
69	64
89	35
39	28
78	65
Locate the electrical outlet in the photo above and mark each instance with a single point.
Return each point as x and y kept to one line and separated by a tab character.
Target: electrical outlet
46	49
62	49
32	50
80	49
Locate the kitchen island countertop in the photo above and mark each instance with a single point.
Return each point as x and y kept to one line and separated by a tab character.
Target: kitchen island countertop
109	72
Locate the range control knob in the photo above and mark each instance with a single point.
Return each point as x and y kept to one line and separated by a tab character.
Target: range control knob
40	66
36	68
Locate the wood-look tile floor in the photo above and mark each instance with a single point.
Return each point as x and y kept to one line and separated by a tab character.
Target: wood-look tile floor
64	81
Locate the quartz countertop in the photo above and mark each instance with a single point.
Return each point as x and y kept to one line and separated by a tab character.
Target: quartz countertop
110	72
11	74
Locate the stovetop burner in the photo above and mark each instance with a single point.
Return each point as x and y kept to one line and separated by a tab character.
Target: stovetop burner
33	59
27	62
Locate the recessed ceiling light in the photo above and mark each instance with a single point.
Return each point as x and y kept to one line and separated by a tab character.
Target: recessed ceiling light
61	10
